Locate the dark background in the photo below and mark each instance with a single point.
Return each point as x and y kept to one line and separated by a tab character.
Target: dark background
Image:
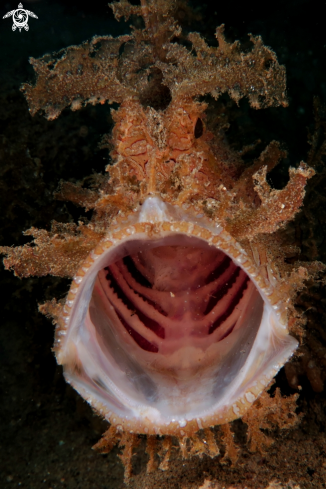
46	429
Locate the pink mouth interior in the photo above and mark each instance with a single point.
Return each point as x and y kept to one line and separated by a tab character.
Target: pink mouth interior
165	324
171	296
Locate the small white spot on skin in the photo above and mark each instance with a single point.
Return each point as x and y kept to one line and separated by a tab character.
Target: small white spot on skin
191	227
236	410
241	259
250	397
172	294
182	423
200	426
268	292
78	280
238	246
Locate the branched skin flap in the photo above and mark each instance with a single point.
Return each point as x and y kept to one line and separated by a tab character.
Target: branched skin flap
178	194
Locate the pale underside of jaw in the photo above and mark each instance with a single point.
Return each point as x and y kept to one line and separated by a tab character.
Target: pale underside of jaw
171	329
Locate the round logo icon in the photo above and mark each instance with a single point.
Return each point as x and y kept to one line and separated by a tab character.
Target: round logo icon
20	18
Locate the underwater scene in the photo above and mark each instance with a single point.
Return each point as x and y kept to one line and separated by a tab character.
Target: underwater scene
163	237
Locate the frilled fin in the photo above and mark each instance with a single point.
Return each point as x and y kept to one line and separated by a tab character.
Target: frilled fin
108	441
269	413
151	449
165	452
52	309
203	69
117	69
58	252
255	75
204	443
231	449
71	192
277	206
82	74
270	158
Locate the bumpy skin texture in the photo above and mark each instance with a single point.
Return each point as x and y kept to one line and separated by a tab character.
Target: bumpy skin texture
161	146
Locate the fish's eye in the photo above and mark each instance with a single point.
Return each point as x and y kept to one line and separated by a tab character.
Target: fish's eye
199	128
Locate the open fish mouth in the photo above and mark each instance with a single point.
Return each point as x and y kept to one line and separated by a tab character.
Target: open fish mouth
169	326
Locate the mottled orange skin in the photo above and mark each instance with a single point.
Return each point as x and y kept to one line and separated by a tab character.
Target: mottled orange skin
159	153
